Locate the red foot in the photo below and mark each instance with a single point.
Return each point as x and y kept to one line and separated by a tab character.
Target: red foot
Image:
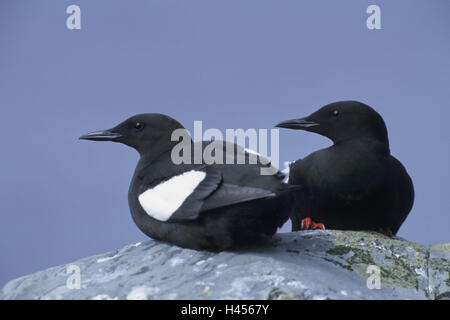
223	246
308	224
386	231
272	233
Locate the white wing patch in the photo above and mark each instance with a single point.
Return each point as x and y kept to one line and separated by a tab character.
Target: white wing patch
250	151
163	200
286	171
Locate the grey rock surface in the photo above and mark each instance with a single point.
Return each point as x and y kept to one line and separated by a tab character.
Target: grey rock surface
299	265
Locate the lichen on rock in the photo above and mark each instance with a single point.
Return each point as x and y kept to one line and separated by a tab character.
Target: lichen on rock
299	265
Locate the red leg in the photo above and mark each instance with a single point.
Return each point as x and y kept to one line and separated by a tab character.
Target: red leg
224	246
386	231
308	224
272	233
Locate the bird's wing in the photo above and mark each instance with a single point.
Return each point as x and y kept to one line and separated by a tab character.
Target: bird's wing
170	192
184	196
245	182
214	192
231	194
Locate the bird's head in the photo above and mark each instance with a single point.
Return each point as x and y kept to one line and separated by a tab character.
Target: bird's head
340	121
147	133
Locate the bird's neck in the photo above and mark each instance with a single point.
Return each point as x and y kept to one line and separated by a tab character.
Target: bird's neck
145	160
151	153
366	143
149	157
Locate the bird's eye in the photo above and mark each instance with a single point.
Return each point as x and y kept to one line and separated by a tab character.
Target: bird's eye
139	125
335	113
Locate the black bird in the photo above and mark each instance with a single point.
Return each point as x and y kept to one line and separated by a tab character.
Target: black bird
199	205
355	184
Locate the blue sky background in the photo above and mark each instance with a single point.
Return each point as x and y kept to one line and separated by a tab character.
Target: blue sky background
232	64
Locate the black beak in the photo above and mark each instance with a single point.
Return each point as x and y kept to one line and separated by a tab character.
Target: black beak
298	124
106	135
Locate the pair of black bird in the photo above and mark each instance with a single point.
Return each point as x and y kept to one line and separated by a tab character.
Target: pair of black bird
353	185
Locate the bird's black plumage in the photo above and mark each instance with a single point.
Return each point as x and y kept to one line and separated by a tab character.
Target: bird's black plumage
356	184
231	204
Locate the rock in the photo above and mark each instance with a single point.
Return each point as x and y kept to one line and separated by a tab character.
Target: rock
299	265
438	271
